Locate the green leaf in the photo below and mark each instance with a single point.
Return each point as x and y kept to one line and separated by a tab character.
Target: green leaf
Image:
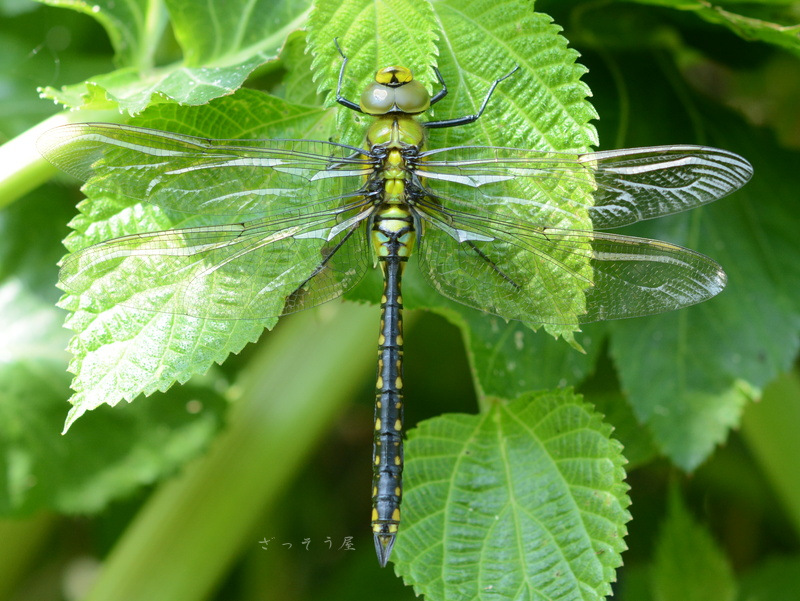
108	456
770	429
220	48
752	20
23	63
528	496
689	374
636	439
543	105
508	358
688	564
133	26
120	353
719	354
294	86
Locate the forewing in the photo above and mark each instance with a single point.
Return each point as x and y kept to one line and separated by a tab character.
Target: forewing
630	185
250	270
245	178
531	273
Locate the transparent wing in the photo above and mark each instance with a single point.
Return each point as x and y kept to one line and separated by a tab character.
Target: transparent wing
249	270
555	275
246	178
630	185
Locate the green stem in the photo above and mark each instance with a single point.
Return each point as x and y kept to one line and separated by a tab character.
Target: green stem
23	540
770	428
22	168
184	540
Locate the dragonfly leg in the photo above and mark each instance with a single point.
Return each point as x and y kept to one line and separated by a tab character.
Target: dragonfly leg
294	302
339	98
468	118
441	93
499	271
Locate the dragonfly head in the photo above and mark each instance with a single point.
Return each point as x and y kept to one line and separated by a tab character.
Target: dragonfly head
395	91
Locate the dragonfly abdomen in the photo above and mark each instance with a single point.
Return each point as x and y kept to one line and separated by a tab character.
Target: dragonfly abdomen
392	237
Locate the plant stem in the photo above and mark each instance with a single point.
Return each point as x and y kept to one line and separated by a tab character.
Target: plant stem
770	428
22	168
186	537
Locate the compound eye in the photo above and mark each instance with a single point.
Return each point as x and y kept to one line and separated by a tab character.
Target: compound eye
377	99
412	98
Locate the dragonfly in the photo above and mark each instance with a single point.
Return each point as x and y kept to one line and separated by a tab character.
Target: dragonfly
512	232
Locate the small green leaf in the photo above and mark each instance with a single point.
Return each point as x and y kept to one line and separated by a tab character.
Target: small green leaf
770	430
771	21
221	47
688	563
294	86
508	357
528	496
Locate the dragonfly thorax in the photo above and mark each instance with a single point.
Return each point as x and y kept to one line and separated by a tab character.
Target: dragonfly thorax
395	91
395	131
395	142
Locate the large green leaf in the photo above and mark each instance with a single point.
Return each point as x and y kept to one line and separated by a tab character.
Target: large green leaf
526	501
221	45
120	353
690	373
